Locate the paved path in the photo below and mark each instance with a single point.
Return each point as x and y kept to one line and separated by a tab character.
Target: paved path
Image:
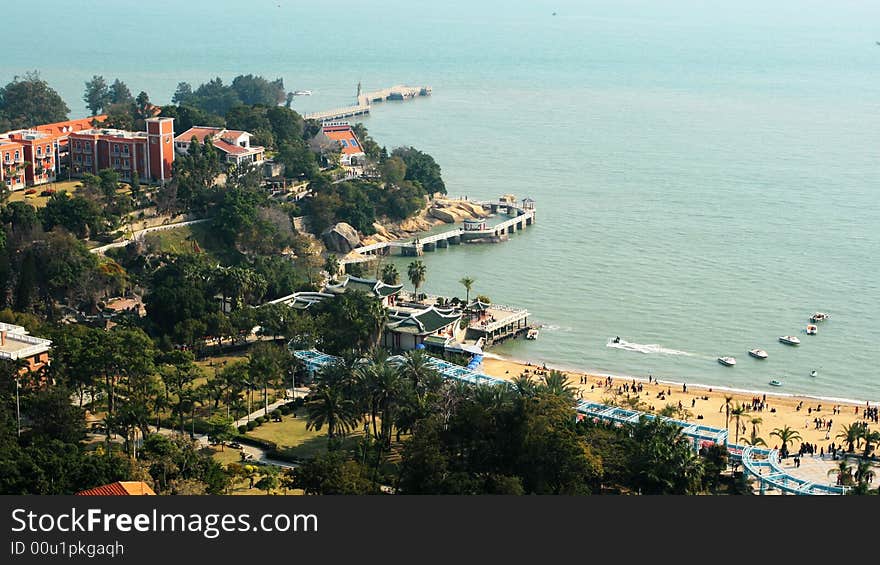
141	233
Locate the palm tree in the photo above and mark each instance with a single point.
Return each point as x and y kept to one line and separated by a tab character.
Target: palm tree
786	435
468	283
328	406
737	413
556	383
851	434
870	438
417	369
756	422
524	385
864	475
727	400
843	472
390	274
416	272
754	440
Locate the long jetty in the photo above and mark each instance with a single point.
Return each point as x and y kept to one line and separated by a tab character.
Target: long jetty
761	463
522	215
365	101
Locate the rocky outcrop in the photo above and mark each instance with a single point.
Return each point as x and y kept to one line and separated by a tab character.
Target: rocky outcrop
454	211
341	238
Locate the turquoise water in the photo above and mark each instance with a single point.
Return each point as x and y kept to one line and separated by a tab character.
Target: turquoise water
706	172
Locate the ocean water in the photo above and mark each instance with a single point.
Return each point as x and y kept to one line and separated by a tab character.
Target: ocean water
706	173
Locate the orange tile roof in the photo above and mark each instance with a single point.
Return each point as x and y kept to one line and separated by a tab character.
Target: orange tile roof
120	488
199	133
60	128
345	137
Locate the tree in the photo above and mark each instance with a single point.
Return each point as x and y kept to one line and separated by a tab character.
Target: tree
327	406
393	170
97	95
738	412
29	101
119	93
390	274
220	429
851	434
871	438
416	272
332	473
421	169
786	435
298	160
468	284
269	480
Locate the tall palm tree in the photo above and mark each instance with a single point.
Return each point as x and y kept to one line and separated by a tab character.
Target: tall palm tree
754	440
756	422
737	412
417	272
328	406
421	374
468	283
864	475
390	275
524	385
383	383
727	400
786	435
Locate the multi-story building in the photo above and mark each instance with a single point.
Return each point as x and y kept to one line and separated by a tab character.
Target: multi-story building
12	164
40	155
17	345
150	154
234	146
339	136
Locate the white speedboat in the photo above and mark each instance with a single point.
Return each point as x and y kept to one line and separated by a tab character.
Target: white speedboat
789	340
302	92
532	334
813	373
775	382
812	329
727	361
819	317
758	353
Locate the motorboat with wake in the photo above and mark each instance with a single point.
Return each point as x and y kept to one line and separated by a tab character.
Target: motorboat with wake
758	353
532	333
812	329
727	361
789	340
819	317
813	373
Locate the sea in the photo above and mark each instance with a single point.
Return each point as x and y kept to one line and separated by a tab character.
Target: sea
707	173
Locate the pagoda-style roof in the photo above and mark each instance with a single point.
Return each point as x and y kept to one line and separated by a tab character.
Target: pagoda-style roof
478	306
427	321
373	287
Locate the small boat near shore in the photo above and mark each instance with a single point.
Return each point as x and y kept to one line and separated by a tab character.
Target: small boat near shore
727	361
302	92
813	373
819	317
775	382
758	353
532	333
812	329
789	340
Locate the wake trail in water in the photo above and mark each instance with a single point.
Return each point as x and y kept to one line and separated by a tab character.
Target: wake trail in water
647	349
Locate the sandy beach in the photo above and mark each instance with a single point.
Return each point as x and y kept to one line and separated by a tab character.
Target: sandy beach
708	402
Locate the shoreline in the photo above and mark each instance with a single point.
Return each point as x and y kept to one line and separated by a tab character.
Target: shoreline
494	357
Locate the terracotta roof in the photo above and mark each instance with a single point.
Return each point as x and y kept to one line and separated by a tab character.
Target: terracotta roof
199	133
59	128
227	147
120	488
345	137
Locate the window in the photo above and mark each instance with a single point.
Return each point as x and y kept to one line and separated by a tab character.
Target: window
126	163
343	143
76	145
125	149
354	142
116	162
88	160
16	155
39	151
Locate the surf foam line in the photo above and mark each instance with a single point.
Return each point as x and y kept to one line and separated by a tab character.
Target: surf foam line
647	349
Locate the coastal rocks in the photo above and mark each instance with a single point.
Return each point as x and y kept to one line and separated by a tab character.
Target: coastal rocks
454	211
413	225
341	238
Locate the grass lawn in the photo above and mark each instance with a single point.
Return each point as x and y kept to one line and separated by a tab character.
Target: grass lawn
39	201
186	239
294	440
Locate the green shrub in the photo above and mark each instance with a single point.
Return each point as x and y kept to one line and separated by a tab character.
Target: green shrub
242	429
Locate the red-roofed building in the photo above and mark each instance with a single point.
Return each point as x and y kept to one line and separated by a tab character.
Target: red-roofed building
120	488
234	145
149	153
339	136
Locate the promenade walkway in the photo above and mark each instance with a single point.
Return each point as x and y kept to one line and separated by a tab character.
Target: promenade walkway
762	464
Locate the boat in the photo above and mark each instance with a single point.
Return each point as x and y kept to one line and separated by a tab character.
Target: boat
789	340
819	317
758	353
812	329
775	382
532	334
813	373
302	92
727	361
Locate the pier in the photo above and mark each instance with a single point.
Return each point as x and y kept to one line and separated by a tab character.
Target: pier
474	231
365	100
